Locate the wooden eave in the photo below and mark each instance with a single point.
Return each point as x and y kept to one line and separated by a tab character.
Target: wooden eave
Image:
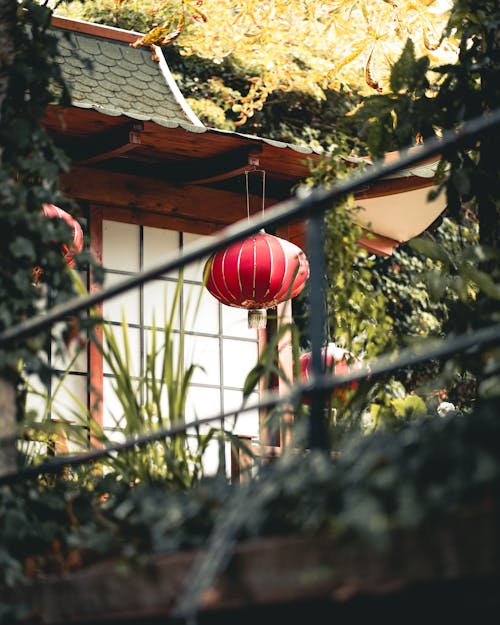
180	154
192	176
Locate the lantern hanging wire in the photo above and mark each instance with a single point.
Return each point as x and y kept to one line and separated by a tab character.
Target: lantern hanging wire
263	172
257	317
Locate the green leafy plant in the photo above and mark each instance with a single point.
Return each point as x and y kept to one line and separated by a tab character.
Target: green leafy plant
155	399
179	458
57	429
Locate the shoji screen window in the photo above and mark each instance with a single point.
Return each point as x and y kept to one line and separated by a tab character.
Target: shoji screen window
214	338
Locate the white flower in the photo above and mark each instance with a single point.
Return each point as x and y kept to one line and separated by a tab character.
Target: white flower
445	407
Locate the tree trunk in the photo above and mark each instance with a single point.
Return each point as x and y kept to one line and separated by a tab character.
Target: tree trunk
8	430
7	50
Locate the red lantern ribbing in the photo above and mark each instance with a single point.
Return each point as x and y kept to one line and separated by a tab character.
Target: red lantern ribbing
257	273
52	211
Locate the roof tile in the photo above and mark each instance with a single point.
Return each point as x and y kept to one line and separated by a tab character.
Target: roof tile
119	70
88	45
111	50
111	76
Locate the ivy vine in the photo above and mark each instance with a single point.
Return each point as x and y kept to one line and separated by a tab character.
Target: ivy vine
30	167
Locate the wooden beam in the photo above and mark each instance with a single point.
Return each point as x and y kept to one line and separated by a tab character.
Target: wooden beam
146	194
182	173
161	220
230	165
105	145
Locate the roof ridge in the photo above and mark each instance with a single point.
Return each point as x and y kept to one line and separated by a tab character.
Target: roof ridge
100	30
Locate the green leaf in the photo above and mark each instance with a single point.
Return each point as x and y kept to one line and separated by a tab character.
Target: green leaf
22	247
430	249
460	179
484	281
409	406
403	69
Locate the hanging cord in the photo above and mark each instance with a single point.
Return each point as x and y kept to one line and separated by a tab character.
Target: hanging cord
263	190
247	195
254	170
257	317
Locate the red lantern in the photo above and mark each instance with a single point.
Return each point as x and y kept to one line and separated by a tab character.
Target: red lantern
51	211
338	360
257	273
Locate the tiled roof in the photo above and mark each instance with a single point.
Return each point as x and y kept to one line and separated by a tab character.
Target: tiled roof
107	75
115	79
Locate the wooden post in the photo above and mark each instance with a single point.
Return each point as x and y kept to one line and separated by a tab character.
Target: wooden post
8	427
285	360
95	360
285	357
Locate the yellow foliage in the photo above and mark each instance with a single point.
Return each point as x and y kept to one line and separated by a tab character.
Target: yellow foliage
318	44
308	45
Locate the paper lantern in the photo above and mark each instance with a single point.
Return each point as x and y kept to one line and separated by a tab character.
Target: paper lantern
68	252
336	360
257	273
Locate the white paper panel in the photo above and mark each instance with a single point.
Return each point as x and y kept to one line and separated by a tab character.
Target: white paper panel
159	297
62	360
112	407
125	304
194	271
203	402
120	246
211	458
160	350
36	398
159	418
159	245
235	323
133	335
201	310
204	352
115	436
239	358
247	423
70	398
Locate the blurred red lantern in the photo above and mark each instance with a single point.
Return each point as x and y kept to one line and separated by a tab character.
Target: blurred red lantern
337	361
257	273
52	211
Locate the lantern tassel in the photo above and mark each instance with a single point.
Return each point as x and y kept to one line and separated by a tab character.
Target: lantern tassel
257	318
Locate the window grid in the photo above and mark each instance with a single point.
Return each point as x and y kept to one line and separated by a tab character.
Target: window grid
222	386
222	332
